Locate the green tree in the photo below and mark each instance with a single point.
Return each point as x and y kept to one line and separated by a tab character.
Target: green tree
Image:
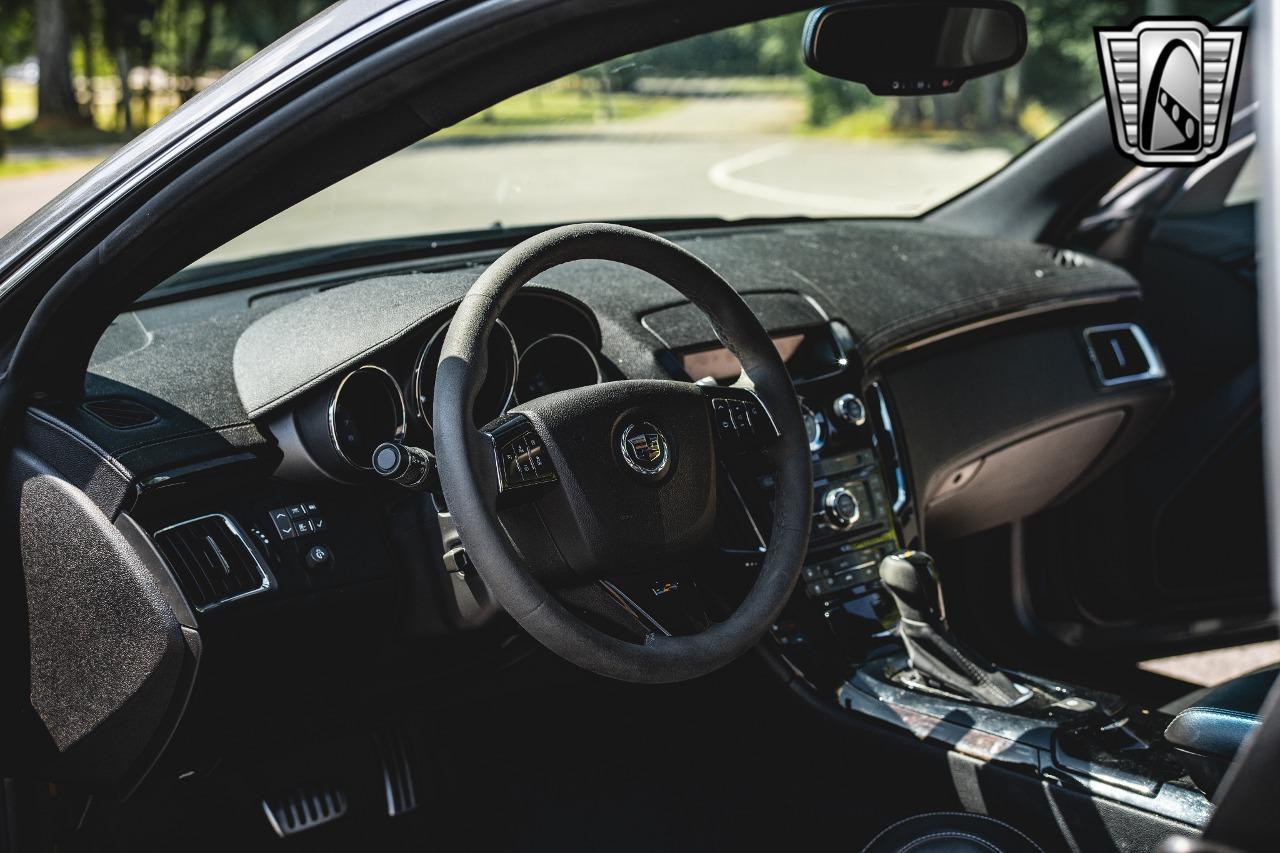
56	98
15	43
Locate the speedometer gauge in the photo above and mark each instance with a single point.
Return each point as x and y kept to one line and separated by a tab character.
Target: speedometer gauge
556	362
498	388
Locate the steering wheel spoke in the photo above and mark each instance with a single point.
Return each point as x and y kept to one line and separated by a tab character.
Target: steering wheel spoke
739	420
521	462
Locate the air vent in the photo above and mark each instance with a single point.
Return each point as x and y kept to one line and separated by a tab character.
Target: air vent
1121	354
212	560
121	413
1068	258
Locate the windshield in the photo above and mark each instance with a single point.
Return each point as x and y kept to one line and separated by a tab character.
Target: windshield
728	125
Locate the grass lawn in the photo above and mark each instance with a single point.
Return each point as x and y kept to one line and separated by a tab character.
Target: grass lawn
555	107
875	123
21	168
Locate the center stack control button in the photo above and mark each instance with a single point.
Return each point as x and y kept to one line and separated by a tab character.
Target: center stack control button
842	508
319	557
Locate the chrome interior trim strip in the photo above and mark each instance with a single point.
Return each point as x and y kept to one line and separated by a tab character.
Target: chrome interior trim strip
886	422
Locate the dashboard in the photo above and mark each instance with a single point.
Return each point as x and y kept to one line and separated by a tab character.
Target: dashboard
948	386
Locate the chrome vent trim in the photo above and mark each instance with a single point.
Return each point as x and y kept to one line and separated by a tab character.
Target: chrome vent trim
1154	368
213	560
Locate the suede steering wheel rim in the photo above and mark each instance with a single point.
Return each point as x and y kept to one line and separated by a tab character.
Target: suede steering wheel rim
466	455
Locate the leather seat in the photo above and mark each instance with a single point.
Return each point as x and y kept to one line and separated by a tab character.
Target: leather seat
1210	726
951	832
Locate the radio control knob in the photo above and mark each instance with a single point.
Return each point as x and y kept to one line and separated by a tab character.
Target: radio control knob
842	507
815	427
849	408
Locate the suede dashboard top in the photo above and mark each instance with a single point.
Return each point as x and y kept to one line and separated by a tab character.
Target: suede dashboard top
216	366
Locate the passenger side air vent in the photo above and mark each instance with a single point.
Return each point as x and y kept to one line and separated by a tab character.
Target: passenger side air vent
212	560
1121	353
121	413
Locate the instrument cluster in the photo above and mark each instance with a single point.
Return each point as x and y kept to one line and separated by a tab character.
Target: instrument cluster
543	343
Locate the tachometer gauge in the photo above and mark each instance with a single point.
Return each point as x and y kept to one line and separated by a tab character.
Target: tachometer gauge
365	410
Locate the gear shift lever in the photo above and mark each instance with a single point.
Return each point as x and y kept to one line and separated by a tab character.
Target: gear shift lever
935	653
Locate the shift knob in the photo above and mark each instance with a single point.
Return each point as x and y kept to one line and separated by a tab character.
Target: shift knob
910	578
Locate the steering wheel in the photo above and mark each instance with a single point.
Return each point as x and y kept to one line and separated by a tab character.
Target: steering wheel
620	475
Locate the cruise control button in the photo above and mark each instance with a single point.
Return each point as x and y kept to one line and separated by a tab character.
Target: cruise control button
723	418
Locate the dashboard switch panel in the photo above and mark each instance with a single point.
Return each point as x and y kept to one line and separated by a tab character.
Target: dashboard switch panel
296	520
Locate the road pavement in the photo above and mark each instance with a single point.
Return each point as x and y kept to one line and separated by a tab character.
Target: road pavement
728	157
732	157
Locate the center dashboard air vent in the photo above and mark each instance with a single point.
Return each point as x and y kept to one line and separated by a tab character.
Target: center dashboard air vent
120	412
1069	259
213	561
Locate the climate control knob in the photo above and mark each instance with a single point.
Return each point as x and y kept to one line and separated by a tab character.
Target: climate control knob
842	507
849	408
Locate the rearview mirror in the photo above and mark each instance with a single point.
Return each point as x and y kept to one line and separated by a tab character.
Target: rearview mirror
914	47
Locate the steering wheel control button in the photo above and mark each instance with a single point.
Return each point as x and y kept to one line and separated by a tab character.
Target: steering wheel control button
521	456
645	449
723	418
319	557
741	423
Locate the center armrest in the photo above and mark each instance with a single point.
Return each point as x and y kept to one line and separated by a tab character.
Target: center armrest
1209	732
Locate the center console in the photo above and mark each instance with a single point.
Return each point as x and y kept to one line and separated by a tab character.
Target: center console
860	500
871	632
